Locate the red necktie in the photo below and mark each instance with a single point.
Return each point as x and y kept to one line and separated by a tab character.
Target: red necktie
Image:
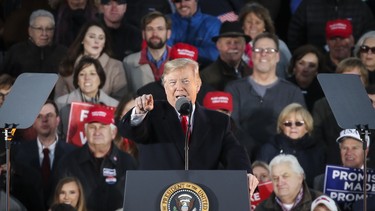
46	166
184	125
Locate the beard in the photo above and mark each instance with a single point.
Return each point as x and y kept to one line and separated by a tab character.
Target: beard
156	45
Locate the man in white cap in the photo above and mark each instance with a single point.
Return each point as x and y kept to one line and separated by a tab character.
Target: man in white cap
351	152
351	148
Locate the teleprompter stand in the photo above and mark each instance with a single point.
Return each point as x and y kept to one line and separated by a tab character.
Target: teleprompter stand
351	107
225	189
28	94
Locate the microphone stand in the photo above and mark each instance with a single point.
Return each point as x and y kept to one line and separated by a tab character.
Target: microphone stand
9	131
185	108
187	139
365	134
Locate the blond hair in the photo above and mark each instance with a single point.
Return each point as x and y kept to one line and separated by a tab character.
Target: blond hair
298	109
181	64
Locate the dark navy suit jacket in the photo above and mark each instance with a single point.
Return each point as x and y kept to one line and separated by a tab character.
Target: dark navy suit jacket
161	140
27	154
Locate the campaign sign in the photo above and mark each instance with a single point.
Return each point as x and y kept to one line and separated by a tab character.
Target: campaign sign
345	185
78	114
264	191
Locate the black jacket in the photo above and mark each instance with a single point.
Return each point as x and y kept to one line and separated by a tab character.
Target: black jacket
219	74
308	23
310	155
27	154
27	57
161	140
103	180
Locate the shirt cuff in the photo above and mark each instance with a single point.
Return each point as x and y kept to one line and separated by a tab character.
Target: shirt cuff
136	119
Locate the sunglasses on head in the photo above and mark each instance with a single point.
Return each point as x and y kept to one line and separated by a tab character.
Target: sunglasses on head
365	49
290	124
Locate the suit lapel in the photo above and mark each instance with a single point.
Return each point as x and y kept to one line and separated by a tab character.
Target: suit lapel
175	133
35	155
200	127
58	152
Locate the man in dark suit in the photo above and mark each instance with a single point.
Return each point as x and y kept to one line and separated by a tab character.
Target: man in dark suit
30	153
156	127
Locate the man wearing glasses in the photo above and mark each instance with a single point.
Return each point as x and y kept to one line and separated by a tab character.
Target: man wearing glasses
45	152
37	54
259	98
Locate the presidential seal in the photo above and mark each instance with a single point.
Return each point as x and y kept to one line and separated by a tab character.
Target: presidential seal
184	196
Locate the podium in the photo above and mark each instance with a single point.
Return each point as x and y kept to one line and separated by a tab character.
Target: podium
219	190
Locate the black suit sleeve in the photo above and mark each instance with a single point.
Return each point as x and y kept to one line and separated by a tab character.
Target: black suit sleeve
139	134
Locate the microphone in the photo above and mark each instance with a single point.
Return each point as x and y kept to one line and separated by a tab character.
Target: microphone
183	106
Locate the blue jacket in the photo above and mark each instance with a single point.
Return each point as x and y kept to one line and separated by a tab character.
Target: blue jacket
198	31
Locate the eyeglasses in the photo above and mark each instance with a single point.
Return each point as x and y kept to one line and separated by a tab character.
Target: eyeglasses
41	30
365	49
265	50
290	124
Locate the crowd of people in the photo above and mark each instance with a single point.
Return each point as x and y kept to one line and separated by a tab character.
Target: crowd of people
248	68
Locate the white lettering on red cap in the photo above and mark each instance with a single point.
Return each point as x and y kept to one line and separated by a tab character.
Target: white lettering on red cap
186	52
99	113
222	99
337	26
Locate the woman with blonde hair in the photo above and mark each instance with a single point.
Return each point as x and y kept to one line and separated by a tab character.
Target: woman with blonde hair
294	128
365	50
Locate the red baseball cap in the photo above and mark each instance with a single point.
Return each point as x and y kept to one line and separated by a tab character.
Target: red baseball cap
101	114
183	50
218	100
339	28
